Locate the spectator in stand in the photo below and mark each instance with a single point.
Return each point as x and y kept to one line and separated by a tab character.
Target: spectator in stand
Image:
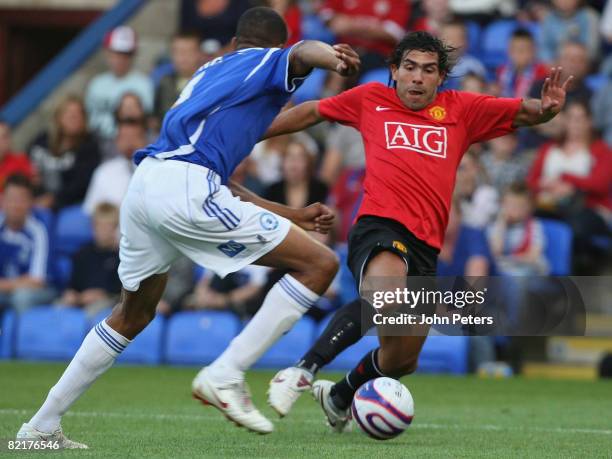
214	19
64	157
465	251
569	20
24	249
516	238
105	91
291	12
601	104
571	180
238	292
437	13
371	27
516	77
503	163
345	198
129	108
11	162
474	83
344	151
111	179
573	60
483	11
94	284
477	199
186	59
298	187
454	34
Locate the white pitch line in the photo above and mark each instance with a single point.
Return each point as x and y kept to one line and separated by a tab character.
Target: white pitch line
194	417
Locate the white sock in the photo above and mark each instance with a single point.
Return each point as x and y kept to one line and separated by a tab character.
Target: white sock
283	306
97	354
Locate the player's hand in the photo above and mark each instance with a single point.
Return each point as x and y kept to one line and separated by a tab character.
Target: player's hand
553	92
316	217
349	60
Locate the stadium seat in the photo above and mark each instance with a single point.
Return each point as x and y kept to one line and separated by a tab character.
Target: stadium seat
62	270
314	29
474	33
7	334
198	337
289	348
558	250
444	354
380	75
146	348
72	230
495	39
596	81
50	333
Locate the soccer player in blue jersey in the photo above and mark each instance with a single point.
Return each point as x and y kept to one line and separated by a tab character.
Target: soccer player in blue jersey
179	203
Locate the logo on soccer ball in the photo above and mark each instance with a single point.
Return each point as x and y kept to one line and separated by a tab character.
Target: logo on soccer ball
399	246
437	113
268	221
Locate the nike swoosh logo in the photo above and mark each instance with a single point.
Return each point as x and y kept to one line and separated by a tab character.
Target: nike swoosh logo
382	109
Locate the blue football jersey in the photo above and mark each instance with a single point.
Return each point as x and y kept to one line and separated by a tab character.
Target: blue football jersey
225	109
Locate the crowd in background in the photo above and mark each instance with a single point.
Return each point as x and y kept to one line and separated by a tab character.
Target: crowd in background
561	170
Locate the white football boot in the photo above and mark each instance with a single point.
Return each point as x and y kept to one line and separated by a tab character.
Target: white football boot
286	387
233	400
337	419
27	432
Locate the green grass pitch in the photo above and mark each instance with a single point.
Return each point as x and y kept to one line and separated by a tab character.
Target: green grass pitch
148	412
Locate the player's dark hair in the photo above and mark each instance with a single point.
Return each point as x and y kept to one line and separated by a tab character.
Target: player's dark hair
20	181
425	42
261	26
522	33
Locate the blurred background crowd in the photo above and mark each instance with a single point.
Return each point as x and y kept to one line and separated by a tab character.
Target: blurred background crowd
535	202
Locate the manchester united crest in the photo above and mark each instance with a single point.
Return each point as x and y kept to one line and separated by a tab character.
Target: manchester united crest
437	113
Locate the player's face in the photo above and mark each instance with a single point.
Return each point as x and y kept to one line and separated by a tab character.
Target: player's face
418	78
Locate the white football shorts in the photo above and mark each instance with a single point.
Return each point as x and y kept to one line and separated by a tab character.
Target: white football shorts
175	208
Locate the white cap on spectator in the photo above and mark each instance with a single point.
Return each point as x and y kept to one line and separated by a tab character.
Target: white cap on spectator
121	39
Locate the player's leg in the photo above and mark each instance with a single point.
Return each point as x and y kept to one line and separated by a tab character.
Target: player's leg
99	350
145	258
311	268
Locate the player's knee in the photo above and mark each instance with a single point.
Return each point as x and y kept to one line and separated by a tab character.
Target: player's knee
130	321
328	264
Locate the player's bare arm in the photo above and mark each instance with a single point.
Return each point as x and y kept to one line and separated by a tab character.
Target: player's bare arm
295	119
534	111
339	58
315	217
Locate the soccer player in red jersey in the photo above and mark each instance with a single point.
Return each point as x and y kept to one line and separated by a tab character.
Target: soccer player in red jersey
414	138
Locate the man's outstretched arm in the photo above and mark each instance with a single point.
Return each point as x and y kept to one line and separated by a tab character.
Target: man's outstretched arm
315	217
311	54
534	111
295	119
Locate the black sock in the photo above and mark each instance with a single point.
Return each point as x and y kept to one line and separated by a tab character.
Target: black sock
342	392
343	331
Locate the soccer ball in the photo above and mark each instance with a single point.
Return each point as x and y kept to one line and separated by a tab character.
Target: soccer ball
383	408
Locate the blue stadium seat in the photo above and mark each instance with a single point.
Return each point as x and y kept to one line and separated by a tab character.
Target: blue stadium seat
347	288
474	33
289	348
146	348
558	250
314	29
596	81
72	230
495	39
380	75
7	334
50	333
199	337
62	270
444	354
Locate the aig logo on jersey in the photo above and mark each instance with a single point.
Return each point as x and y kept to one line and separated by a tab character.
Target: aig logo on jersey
427	140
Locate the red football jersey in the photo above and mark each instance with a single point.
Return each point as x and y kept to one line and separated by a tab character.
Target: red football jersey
412	156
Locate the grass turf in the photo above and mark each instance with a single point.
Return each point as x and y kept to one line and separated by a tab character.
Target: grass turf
148	412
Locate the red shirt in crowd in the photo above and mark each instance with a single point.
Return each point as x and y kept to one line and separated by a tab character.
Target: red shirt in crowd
412	156
393	15
595	186
14	164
